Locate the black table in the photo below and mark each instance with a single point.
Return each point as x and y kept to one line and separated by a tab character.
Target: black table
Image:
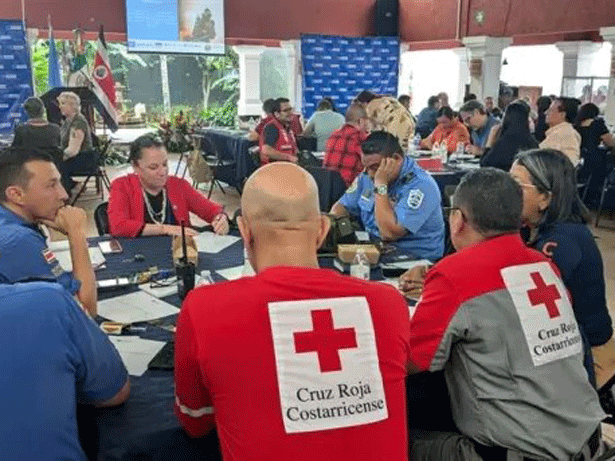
145	427
233	146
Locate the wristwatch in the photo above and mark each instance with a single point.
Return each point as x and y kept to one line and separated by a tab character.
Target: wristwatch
382	189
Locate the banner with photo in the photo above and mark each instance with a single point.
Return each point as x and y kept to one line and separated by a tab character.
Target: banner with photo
15	75
341	67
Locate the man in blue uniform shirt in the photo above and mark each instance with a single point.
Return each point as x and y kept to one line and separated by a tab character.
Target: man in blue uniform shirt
52	356
31	194
396	200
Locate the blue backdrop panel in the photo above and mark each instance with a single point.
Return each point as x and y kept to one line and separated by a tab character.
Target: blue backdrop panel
341	67
15	75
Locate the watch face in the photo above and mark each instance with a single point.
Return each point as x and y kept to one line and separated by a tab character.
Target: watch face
382	190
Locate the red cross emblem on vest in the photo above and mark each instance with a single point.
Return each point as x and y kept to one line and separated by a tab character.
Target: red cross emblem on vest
544	294
325	340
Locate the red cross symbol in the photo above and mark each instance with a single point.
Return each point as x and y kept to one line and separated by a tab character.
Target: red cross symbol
325	340
544	294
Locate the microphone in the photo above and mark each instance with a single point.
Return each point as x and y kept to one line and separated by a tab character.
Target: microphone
184	269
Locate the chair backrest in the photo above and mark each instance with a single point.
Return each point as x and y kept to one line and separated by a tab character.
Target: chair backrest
101	218
331	186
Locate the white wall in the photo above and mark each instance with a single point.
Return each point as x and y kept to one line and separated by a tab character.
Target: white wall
426	73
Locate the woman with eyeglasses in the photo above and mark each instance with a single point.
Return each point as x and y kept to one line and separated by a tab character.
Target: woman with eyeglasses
150	202
556	219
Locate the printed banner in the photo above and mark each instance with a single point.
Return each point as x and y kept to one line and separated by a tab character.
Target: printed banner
15	75
341	67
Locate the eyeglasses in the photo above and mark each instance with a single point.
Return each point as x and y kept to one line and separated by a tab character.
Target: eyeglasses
448	210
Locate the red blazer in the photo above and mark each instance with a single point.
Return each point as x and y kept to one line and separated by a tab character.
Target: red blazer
126	205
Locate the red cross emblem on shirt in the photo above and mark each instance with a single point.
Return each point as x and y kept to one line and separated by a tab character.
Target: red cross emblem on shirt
544	294
325	340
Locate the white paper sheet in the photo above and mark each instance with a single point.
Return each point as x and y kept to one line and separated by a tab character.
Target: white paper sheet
362	236
408	264
97	258
232	273
136	353
160	292
208	242
135	307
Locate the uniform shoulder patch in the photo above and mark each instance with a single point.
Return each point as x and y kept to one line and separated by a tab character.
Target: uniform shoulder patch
415	198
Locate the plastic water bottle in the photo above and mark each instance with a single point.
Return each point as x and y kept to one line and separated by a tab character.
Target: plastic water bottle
443	153
247	270
360	265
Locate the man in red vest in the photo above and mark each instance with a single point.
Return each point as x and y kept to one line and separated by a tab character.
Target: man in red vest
277	141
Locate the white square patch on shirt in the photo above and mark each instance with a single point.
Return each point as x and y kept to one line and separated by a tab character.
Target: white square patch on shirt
545	312
327	364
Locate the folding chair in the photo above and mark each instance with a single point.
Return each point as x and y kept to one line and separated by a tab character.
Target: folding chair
101	218
214	160
95	170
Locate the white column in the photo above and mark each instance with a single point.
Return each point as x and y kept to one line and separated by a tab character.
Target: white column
577	56
608	33
486	64
164	79
292	51
463	76
249	79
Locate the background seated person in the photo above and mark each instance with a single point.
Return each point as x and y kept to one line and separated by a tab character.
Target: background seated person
268	106
75	139
277	142
343	149
388	114
53	357
427	120
496	317
323	123
561	135
480	122
30	195
344	402
449	131
37	132
557	220
396	200
150	202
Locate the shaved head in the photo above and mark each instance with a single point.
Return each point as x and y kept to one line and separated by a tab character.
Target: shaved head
280	192
280	220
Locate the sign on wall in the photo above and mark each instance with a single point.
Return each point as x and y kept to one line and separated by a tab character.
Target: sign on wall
15	75
341	67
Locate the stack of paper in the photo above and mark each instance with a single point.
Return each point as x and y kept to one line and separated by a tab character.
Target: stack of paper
136	353
135	307
208	242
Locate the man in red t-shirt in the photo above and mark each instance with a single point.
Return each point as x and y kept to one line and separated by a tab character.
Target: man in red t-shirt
296	363
343	151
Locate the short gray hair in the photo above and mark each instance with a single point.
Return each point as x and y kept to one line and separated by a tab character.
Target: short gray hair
491	201
74	97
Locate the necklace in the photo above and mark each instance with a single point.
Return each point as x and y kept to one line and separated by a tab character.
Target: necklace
158	218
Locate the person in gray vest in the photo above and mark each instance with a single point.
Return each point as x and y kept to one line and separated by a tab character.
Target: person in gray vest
496	317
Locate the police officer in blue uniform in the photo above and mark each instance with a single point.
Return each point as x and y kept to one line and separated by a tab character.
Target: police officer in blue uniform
395	199
31	194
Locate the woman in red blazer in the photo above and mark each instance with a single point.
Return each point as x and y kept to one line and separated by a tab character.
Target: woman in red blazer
150	202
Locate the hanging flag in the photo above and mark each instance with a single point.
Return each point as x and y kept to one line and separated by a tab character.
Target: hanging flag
102	78
55	80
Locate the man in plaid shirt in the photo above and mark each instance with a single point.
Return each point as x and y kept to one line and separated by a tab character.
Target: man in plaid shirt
343	151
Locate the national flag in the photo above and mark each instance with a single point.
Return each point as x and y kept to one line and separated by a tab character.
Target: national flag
55	80
102	78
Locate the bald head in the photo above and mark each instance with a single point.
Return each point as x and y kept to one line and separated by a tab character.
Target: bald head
280	192
355	113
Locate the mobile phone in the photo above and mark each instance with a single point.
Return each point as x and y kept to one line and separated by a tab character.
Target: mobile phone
110	246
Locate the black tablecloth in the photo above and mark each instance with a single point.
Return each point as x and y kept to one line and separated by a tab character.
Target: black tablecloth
233	146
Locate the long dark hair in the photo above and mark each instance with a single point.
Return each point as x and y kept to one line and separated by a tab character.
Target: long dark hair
516	119
552	172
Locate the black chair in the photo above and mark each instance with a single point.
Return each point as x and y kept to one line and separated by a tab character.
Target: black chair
101	218
607	187
331	186
95	169
221	168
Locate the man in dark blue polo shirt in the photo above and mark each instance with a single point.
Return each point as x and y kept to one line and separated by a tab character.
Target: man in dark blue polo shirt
52	356
479	122
31	194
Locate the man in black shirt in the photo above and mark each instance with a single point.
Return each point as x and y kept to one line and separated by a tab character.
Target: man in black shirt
37	132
